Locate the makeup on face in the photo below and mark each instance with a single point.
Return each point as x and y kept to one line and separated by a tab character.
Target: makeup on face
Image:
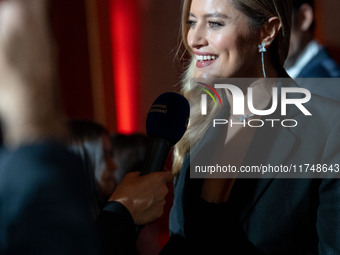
221	40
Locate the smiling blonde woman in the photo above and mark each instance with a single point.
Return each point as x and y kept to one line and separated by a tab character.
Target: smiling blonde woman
250	39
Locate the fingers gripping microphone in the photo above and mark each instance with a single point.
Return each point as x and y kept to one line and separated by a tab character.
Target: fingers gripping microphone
165	125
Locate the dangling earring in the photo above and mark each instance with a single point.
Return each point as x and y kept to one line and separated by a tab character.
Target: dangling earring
262	49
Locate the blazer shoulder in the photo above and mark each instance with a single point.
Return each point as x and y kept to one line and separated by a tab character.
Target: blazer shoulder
324	109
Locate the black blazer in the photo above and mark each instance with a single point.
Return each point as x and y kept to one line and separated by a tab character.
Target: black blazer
271	215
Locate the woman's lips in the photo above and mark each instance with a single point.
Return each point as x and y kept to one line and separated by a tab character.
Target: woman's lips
204	60
204	63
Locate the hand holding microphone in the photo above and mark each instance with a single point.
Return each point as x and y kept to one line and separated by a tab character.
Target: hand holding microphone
144	196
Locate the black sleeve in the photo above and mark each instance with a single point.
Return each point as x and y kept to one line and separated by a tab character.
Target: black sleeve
117	230
44	206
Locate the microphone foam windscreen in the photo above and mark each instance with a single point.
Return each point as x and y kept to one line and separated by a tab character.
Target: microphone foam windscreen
168	117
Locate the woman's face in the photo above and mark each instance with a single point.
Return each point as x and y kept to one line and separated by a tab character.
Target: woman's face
107	181
222	41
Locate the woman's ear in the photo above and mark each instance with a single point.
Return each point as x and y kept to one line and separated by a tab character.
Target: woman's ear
270	30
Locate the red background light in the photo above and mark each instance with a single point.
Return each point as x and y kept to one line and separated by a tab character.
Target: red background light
124	21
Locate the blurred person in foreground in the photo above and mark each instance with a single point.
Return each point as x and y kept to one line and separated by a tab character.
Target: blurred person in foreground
44	196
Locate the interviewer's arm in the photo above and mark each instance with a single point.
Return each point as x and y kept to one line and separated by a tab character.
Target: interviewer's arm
136	201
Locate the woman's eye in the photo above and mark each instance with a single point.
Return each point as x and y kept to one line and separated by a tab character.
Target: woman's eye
215	24
191	23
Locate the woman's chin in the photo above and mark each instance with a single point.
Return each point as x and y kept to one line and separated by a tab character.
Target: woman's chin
211	75
205	75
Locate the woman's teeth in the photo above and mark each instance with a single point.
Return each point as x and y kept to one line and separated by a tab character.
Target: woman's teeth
205	57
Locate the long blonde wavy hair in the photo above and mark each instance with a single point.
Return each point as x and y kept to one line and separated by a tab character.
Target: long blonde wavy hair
258	12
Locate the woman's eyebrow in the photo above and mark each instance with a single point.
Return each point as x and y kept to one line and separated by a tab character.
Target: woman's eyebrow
216	15
211	15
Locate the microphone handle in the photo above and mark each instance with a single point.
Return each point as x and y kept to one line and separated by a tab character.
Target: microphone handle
156	154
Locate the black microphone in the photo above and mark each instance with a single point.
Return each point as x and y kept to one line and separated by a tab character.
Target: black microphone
166	123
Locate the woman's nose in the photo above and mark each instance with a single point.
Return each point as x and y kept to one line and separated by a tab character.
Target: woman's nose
197	37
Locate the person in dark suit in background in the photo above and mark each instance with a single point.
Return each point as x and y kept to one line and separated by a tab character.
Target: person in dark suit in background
44	196
306	57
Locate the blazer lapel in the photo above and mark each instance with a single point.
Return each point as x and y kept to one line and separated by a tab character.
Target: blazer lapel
273	146
246	192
